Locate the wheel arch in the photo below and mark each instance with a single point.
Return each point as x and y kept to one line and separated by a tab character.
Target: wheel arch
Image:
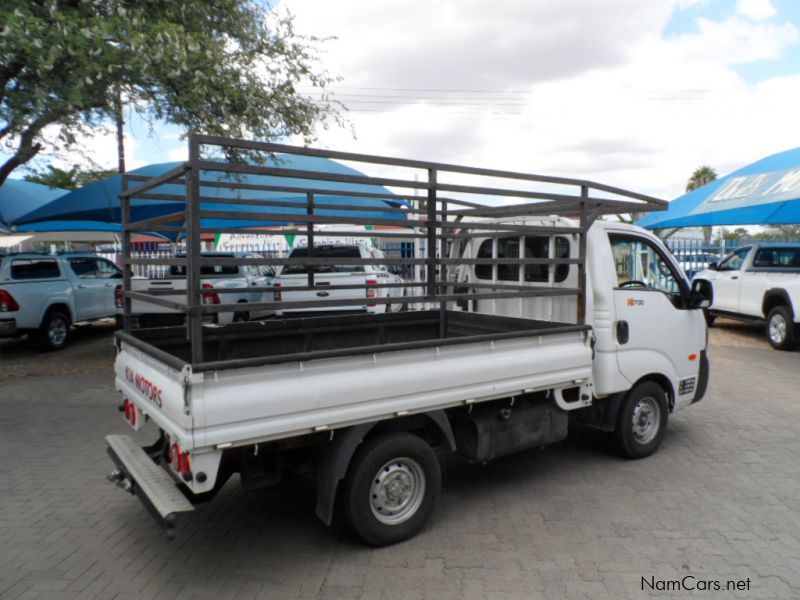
664	382
62	306
335	460
776	297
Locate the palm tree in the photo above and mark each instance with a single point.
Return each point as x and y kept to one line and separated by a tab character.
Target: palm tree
702	176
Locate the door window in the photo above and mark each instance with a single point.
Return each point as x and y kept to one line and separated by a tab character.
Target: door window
638	263
84	268
777	258
34	269
107	270
735	261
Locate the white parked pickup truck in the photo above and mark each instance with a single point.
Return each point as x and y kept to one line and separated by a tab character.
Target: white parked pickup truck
243	281
43	295
759	284
293	281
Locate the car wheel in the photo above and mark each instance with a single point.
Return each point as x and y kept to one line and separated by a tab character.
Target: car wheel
241	315
780	329
642	420
54	333
391	489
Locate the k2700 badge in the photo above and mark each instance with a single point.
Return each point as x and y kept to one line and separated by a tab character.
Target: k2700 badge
146	387
635	302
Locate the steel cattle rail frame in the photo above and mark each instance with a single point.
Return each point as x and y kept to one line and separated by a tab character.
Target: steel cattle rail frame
433	217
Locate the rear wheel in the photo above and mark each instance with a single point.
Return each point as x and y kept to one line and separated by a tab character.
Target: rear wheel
241	315
392	486
780	329
642	420
54	333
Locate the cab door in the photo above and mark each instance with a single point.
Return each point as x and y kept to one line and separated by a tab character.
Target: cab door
727	281
654	332
89	289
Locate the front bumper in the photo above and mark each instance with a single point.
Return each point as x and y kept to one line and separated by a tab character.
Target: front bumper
8	327
137	474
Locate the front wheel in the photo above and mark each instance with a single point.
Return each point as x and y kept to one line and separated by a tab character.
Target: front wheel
391	488
780	329
240	316
642	420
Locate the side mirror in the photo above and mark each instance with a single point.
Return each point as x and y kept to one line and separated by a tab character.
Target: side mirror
712	266
701	294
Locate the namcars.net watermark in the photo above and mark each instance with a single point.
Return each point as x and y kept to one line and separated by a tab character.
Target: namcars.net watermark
692	583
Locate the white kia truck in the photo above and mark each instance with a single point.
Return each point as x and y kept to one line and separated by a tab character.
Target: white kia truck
759	284
44	295
527	325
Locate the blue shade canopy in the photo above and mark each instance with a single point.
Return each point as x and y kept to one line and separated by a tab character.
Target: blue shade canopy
100	201
766	192
18	197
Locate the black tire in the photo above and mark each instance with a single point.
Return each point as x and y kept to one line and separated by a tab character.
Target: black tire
780	329
709	318
54	332
646	437
119	322
385	467
240	316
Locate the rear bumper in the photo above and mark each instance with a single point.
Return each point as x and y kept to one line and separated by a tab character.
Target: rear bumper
137	474
8	327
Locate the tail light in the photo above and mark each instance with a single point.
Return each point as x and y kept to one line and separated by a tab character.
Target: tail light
277	292
119	299
128	409
209	297
180	460
7	302
372	293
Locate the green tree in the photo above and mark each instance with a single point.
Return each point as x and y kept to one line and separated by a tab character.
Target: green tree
71	179
221	67
700	177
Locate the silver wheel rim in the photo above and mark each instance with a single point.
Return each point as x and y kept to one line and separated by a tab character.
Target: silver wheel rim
57	331
777	329
397	491
646	420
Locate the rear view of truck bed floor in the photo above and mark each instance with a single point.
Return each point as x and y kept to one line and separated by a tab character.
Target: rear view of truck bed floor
284	340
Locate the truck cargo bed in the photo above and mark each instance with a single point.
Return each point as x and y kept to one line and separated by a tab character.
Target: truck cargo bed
277	341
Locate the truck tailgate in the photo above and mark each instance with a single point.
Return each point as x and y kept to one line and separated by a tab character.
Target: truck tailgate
156	389
243	405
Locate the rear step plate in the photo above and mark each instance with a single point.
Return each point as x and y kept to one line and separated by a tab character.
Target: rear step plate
137	473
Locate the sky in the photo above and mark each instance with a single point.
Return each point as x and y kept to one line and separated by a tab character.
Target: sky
633	93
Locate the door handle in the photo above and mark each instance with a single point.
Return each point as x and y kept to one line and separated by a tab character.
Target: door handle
735	277
623	332
81	286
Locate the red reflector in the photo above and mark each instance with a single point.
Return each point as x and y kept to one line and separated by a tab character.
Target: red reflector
179	460
119	300
693	357
372	293
278	293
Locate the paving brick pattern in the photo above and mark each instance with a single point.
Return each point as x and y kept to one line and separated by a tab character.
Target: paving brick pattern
721	500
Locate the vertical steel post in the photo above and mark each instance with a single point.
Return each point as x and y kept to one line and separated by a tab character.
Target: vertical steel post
310	238
194	315
584	228
443	270
431	230
125	208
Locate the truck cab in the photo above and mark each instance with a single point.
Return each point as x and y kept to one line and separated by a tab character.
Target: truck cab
645	321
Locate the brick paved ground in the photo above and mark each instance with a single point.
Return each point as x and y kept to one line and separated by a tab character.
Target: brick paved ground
720	500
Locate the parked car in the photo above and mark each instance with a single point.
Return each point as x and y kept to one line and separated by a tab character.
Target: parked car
693	261
43	295
759	284
328	277
241	278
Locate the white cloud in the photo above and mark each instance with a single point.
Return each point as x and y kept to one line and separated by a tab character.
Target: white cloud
570	88
757	9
